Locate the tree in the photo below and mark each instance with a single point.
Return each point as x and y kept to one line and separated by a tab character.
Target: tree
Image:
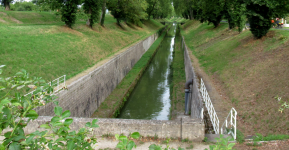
128	10
259	14
103	12
92	8
151	7
186	8
68	11
163	9
228	14
238	11
212	11
6	3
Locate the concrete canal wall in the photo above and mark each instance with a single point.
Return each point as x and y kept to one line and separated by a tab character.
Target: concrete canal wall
86	94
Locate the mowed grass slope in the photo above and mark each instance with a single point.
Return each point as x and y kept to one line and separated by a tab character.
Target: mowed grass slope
248	71
51	50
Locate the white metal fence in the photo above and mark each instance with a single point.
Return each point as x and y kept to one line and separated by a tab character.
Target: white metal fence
211	111
230	124
58	84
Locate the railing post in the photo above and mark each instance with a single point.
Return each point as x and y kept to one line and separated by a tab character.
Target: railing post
231	117
235	125
64	79
57	84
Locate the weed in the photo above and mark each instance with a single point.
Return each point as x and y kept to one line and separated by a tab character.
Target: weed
108	135
205	139
222	143
235	101
156	137
191	147
141	142
260	137
185	140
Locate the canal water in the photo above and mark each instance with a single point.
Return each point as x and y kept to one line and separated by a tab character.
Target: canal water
151	97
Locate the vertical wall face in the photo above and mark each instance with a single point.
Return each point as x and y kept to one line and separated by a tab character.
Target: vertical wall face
195	99
185	127
86	94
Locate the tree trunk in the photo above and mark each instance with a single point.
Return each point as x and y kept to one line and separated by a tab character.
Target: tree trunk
7	5
89	18
149	14
103	13
190	10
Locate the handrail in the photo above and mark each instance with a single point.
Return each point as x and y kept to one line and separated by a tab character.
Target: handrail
208	103
58	84
232	127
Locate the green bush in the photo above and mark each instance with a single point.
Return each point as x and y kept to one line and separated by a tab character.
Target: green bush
16	111
260	21
23	6
68	12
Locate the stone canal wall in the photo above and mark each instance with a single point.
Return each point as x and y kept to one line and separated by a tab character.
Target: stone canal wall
184	127
195	97
86	94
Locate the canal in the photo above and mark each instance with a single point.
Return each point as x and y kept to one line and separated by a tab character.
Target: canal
151	97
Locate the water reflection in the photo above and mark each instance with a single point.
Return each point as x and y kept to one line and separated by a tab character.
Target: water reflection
151	97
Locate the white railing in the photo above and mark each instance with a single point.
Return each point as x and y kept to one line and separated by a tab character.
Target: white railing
230	128
58	84
212	113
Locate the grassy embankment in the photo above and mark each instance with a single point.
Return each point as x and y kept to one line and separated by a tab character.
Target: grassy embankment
178	79
248	72
41	44
112	105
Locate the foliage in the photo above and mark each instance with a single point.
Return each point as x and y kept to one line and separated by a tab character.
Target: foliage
260	137
68	12
17	111
152	4
284	105
44	5
162	9
23	6
237	13
92	8
212	11
167	141
222	144
240	137
128	10
186	8
157	147
6	3
103	12
259	14
124	144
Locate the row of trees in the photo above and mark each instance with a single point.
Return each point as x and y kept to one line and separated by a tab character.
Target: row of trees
133	11
257	12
